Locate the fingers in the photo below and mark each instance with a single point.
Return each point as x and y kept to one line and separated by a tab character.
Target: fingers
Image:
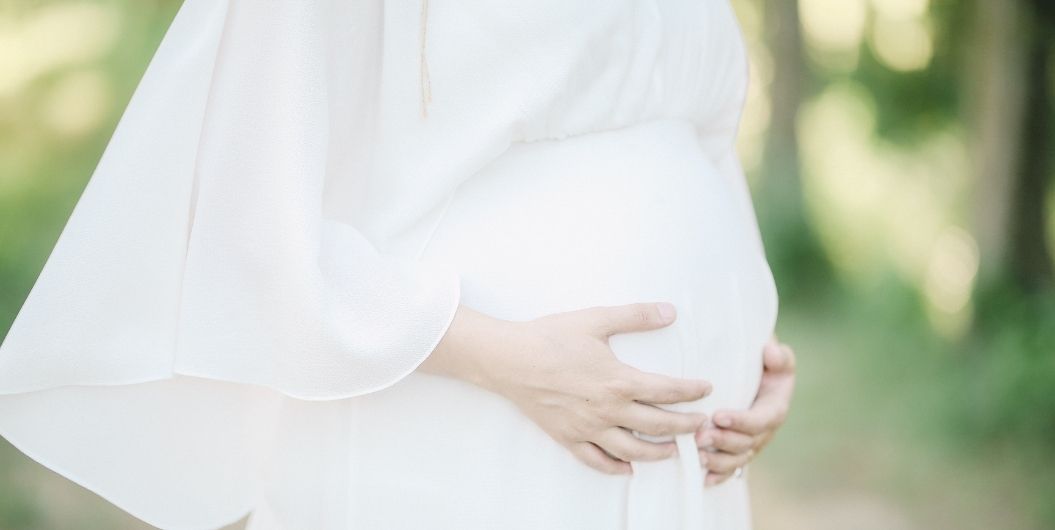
722	451
725	440
767	413
725	463
772	355
655	421
714	479
623	445
777	357
609	320
661	389
756	420
594	457
789	357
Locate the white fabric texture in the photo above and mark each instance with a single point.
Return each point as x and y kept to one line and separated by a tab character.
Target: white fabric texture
276	237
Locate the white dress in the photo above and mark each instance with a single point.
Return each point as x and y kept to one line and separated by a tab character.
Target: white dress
296	200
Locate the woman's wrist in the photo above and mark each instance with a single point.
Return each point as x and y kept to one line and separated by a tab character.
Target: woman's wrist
468	350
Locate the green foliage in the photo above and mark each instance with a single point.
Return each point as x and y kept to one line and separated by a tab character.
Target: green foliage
987	396
1010	374
18	511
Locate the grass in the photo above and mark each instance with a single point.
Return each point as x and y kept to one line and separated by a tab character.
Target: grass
875	425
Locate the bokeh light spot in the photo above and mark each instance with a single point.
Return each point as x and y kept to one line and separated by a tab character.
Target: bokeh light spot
902	44
52	37
950	279
77	104
833	24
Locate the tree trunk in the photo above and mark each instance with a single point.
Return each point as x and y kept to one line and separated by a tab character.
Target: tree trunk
996	65
1012	140
1030	257
785	43
791	242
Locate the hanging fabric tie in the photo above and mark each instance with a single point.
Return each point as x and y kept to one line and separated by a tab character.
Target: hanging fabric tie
426	88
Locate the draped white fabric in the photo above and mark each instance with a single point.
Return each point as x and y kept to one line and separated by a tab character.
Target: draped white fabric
203	246
275	238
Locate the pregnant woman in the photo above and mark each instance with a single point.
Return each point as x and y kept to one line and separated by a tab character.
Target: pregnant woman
384	265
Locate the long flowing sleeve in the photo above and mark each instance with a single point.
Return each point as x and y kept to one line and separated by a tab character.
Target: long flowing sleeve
203	242
275	291
210	270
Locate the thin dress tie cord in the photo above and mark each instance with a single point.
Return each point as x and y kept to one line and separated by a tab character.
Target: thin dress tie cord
426	85
650	485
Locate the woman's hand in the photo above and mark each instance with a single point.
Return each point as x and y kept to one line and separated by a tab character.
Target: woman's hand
738	436
560	371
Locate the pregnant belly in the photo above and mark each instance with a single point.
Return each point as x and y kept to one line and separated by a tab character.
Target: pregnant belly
639	214
634	215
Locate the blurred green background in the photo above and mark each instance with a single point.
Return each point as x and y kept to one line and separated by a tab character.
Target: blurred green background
901	154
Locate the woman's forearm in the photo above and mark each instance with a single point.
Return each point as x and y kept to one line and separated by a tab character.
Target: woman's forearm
462	352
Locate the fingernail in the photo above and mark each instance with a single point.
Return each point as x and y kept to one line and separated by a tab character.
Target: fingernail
666	311
723	421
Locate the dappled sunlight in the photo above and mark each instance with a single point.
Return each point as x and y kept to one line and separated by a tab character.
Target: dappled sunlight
47	38
877	206
902	43
755	119
846	194
836	24
901	8
749	15
949	280
77	103
834	30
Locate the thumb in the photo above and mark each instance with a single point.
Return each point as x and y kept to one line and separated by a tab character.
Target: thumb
609	320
